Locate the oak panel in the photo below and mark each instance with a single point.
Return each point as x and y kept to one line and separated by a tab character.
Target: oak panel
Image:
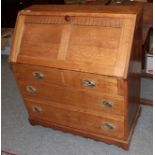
41	40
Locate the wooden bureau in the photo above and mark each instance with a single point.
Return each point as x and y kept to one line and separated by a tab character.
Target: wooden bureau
78	68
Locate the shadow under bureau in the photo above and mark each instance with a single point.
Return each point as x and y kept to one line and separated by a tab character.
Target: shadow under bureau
78	68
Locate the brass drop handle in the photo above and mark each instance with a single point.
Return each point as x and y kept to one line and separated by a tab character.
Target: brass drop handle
31	89
37	109
108	126
89	83
106	104
38	75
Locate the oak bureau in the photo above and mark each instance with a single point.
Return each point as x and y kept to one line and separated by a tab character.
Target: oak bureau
78	68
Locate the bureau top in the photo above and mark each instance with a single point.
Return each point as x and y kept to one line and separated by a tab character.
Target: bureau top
94	39
81	9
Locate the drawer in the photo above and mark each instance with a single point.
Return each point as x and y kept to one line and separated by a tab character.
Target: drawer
85	100
91	82
113	127
72	79
38	74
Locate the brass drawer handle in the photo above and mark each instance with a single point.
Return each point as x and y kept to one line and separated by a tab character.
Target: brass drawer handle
89	83
108	126
106	104
31	89
37	109
38	75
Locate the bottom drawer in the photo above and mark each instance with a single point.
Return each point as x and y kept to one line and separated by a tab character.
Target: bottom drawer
113	127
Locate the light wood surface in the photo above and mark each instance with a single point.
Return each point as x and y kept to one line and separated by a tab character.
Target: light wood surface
78	68
81	43
85	100
67	78
75	119
109	140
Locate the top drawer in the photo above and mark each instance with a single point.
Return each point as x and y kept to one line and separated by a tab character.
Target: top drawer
91	82
72	79
34	73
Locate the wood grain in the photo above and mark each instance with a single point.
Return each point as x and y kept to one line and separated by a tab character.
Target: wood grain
83	44
78	120
85	100
78	68
67	78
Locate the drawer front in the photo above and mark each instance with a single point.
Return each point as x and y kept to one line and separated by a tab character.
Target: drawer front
83	121
91	82
72	79
85	100
37	74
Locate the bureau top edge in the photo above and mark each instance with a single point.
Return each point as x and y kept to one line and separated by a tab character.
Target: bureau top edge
80	9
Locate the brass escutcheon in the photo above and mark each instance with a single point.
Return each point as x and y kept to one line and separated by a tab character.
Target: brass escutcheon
89	83
106	104
38	75
108	126
31	89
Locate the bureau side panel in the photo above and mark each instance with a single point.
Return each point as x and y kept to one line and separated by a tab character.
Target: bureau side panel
133	99
133	80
